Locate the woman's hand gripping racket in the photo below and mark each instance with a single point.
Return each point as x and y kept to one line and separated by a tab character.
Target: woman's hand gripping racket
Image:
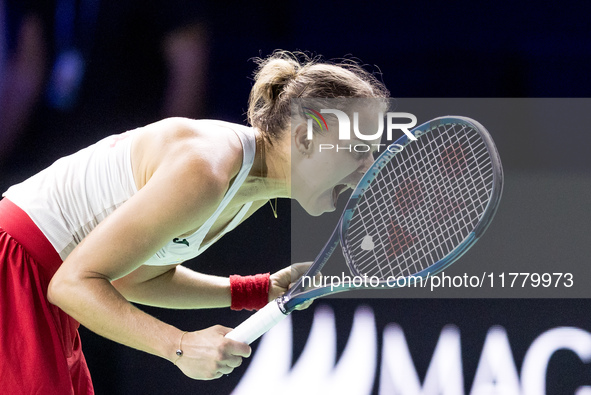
413	213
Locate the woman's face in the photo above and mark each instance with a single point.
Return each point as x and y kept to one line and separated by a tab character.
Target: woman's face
326	168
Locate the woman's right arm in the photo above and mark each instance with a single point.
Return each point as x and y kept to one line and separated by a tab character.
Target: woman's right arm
181	194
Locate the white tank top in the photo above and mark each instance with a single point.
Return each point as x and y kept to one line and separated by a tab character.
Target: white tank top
73	195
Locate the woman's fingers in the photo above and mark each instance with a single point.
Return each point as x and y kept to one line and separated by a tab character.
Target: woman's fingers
207	354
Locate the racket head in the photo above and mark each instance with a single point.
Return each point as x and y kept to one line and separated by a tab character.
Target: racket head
453	160
454	188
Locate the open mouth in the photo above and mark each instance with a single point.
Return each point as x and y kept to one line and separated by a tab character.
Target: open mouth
336	191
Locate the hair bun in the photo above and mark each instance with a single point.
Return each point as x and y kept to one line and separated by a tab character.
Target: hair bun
274	76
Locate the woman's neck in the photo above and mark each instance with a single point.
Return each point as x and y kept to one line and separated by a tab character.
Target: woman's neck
270	174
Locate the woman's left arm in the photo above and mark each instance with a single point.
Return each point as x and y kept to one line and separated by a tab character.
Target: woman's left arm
175	287
178	287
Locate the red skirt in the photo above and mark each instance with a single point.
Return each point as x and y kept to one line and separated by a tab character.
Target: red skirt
40	350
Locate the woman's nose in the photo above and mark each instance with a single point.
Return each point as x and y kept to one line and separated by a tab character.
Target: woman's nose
366	164
363	168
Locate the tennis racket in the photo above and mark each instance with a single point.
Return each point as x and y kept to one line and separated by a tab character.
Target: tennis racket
415	212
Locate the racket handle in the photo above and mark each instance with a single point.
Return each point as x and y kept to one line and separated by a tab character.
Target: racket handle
258	323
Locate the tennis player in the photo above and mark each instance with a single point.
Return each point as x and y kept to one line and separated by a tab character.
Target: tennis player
112	223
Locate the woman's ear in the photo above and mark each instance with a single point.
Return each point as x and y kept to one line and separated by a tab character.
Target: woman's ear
302	144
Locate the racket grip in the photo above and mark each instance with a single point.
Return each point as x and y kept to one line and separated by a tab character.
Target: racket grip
258	323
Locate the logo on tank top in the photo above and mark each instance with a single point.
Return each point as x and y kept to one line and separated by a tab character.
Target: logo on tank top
180	241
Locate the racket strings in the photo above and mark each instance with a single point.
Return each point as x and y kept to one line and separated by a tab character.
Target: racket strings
422	204
445	208
398	194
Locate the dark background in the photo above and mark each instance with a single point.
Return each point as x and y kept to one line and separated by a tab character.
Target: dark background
423	49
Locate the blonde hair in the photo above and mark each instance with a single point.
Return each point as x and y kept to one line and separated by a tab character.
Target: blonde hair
285	75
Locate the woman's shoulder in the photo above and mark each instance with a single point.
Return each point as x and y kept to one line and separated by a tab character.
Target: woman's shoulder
199	148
